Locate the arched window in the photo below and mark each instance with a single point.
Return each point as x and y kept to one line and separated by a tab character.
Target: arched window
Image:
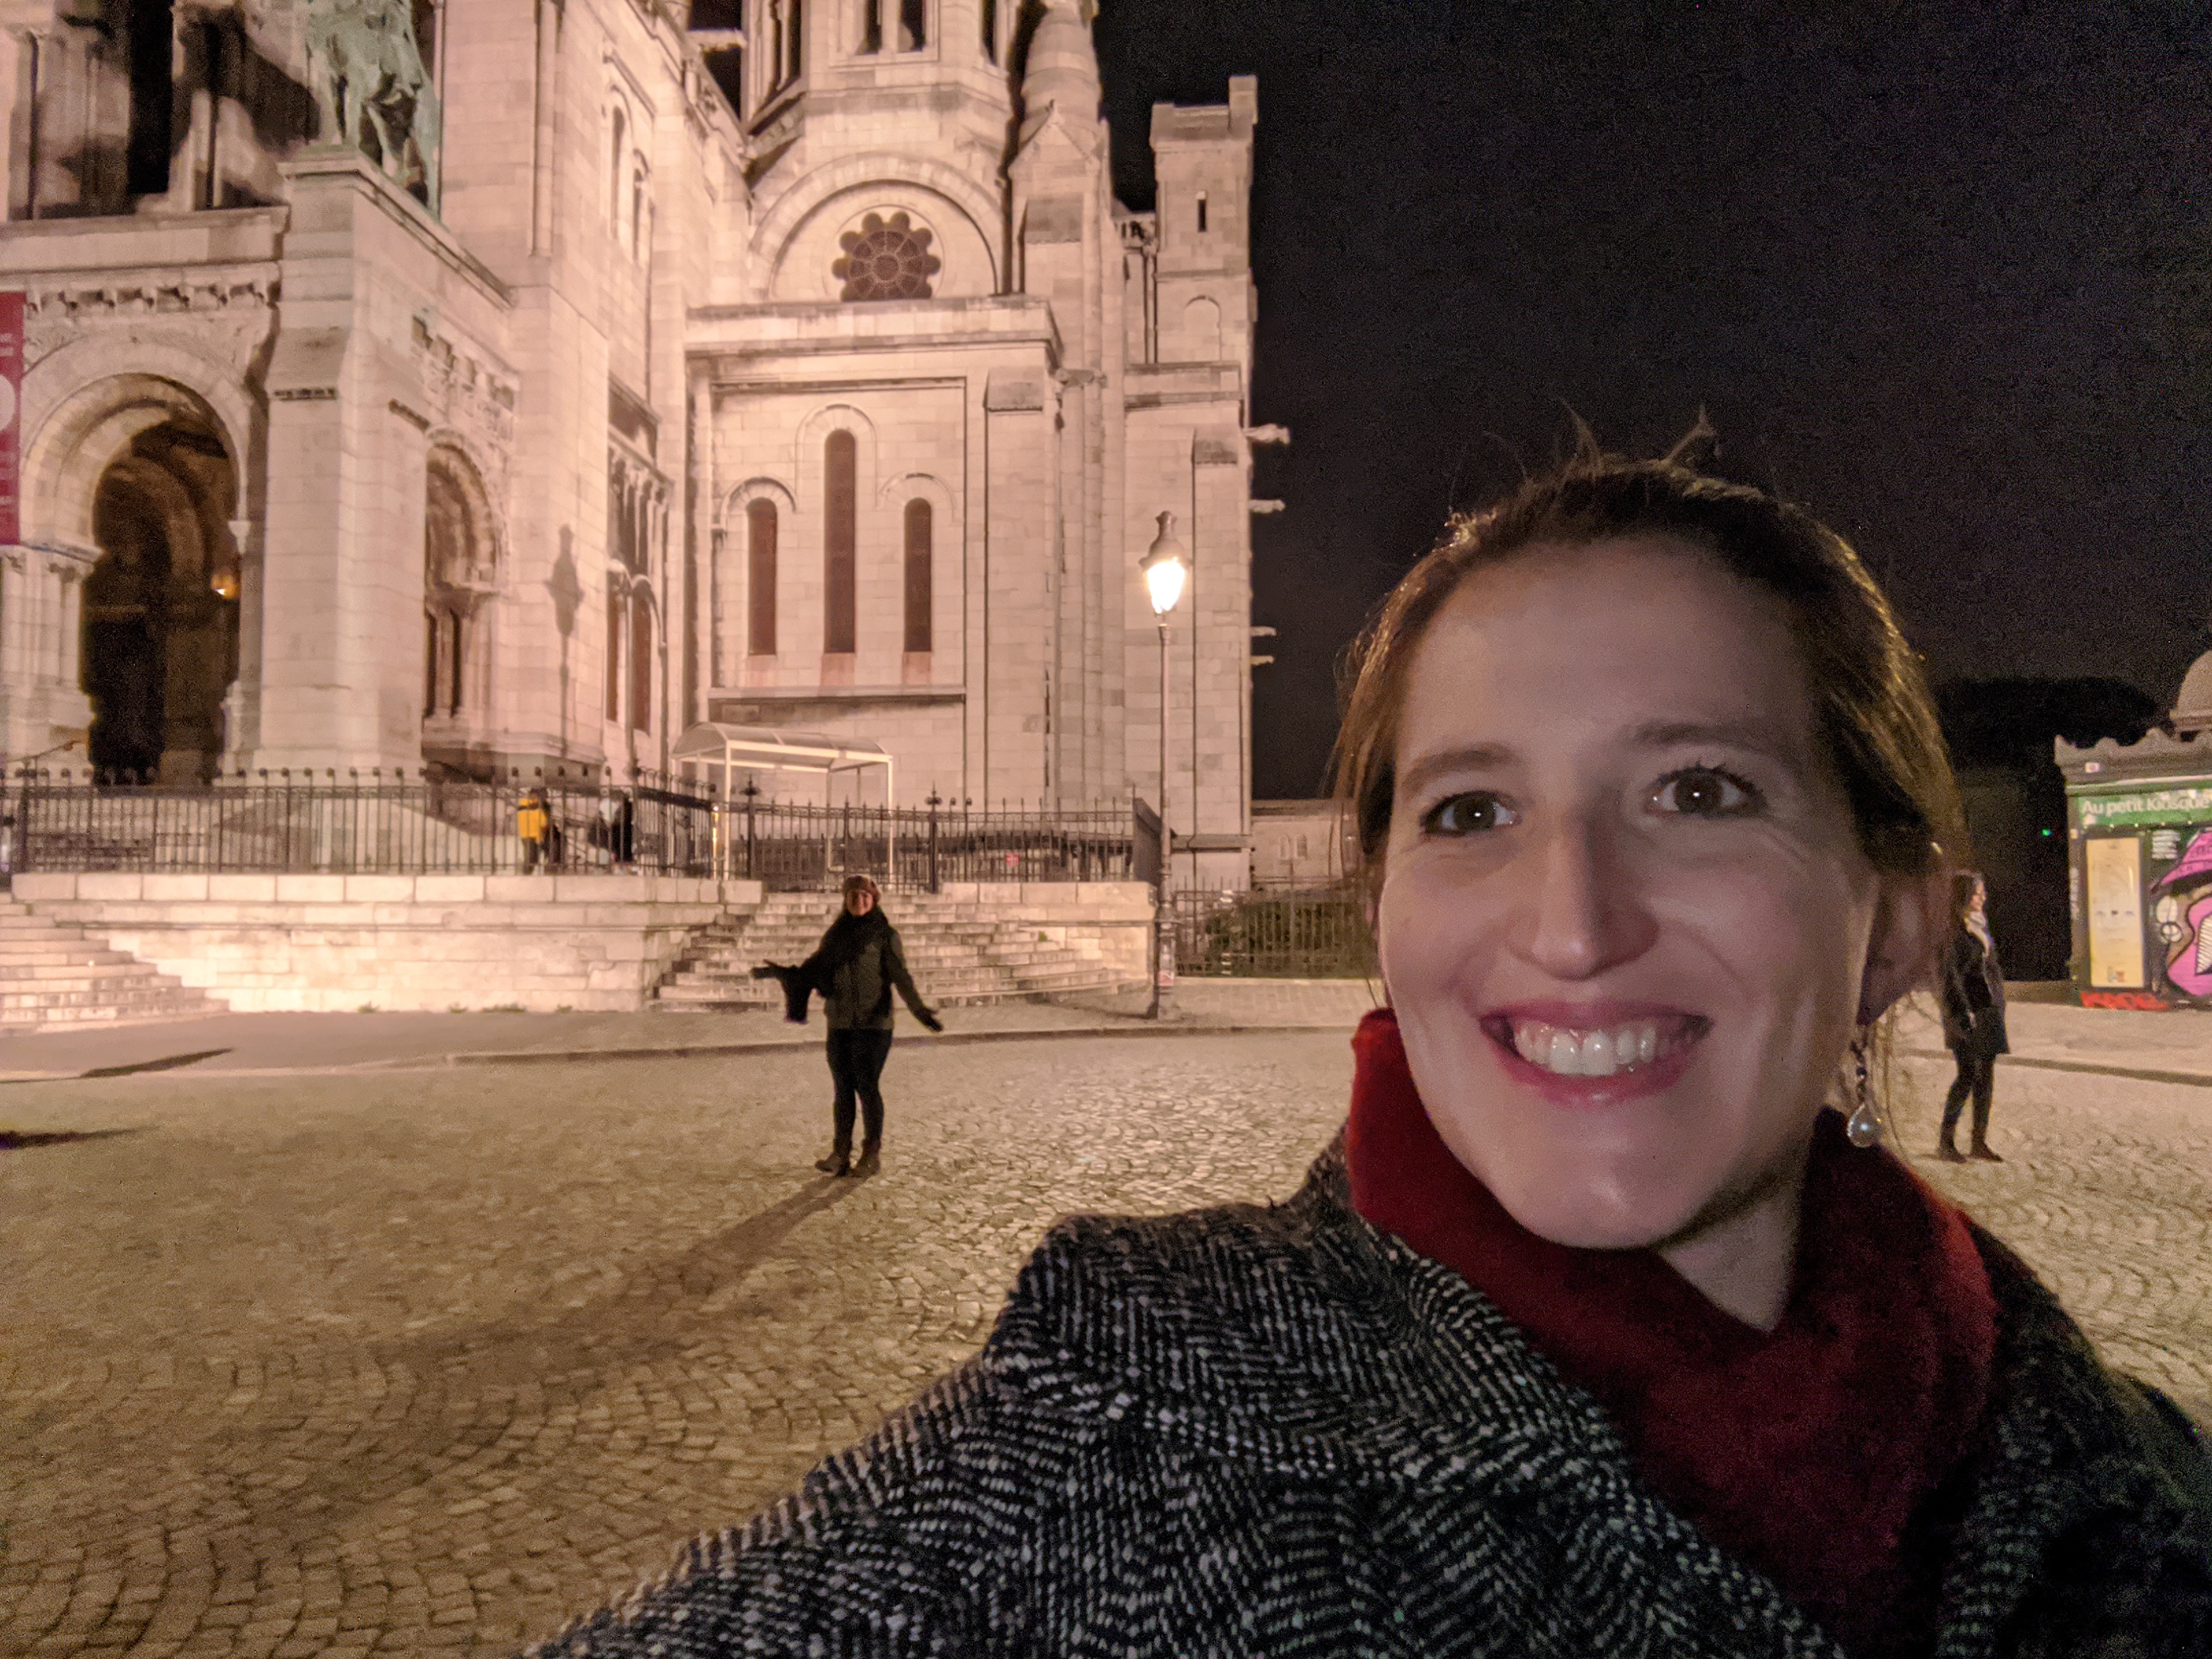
1202	331
151	33
990	9
913	25
614	172
457	563
1201	213
919	534
795	41
616	624
872	25
640	665
637	238
760	579
839	539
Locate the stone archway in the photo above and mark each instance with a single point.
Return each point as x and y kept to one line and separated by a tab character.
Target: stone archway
460	588
158	646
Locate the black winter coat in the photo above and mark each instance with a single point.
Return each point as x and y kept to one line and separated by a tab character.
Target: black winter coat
856	995
1275	1431
1973	996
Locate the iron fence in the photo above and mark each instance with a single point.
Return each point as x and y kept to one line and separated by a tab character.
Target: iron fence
794	846
423	825
431	825
1319	933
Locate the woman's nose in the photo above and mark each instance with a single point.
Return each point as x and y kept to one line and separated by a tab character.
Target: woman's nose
1585	913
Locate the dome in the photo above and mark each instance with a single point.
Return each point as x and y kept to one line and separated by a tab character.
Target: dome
2192	704
1063	69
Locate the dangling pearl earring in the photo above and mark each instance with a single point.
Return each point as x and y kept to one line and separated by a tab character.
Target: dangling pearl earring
1864	1127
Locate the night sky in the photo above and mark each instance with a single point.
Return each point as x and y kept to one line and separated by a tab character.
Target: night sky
1945	279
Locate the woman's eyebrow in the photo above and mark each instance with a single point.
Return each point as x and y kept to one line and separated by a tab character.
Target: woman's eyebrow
1465	757
1760	736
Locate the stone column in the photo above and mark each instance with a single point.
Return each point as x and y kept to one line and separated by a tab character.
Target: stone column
1009	671
341	581
15	676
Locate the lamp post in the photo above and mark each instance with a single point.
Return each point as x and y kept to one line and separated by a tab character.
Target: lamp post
1166	566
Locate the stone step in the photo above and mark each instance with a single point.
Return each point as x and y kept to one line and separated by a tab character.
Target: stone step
71	976
35	928
24	955
51	975
106	1015
46	1004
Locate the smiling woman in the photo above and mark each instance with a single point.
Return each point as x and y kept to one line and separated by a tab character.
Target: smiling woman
1594	1332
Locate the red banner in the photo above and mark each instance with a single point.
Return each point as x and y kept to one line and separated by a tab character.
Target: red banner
11	426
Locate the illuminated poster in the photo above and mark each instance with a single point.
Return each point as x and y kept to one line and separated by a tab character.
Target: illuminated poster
11	403
2116	934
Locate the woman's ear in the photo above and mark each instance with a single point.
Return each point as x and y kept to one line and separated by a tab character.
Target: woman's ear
1912	923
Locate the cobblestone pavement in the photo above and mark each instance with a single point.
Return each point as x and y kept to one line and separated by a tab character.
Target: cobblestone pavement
426	1362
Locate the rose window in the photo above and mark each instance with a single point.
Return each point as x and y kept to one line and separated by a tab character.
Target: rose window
886	259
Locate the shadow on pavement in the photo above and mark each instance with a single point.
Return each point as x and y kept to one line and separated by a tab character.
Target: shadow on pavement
166	1063
16	1139
434	1418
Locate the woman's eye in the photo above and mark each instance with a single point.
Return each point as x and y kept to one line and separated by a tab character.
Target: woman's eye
1705	792
1464	815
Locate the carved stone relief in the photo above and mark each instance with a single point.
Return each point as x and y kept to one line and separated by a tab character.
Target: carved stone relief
223	316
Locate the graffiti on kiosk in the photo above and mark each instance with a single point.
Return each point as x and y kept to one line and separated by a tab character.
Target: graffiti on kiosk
2140	1001
2181	916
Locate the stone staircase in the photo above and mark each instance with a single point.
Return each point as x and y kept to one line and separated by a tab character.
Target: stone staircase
51	975
959	950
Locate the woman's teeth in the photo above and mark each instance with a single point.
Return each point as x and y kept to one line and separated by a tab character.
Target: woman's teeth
1572	1053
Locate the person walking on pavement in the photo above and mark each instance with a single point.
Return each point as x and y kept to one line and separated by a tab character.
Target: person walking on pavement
1973	1019
859	964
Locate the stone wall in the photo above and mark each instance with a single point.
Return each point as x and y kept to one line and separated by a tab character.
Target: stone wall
335	944
329	943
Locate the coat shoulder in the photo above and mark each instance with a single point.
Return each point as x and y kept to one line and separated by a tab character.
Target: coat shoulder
2118	1558
1244	1321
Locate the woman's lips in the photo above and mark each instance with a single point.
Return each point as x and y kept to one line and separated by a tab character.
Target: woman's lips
1597	1054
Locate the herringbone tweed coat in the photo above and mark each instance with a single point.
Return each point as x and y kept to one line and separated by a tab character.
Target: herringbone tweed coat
1275	1431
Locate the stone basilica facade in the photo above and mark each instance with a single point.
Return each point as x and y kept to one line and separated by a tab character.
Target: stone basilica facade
518	383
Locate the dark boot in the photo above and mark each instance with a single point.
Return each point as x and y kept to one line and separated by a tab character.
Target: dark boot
1949	1153
1982	1151
869	1163
840	1161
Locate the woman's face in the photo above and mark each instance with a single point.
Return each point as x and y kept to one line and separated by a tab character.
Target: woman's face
860	901
1625	920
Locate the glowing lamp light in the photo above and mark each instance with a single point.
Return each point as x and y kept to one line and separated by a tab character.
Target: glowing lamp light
1166	568
224	581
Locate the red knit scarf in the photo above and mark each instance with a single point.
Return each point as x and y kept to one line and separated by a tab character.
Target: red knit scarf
1802	1451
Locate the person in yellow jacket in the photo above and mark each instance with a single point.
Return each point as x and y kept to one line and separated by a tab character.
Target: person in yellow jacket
532	823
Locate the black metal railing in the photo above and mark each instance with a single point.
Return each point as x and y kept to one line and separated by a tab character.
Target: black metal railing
795	845
382	824
430	824
1271	934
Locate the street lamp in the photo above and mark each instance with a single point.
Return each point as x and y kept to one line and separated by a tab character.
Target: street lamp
1166	566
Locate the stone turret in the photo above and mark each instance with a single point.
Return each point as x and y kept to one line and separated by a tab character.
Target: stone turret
1062	72
2192	704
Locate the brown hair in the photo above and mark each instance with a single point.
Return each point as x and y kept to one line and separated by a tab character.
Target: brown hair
1872	710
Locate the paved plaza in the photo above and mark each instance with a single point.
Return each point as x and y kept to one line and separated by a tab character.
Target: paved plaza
404	1361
